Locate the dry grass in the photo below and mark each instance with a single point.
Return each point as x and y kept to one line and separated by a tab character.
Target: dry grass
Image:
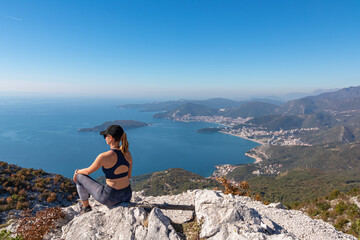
36	227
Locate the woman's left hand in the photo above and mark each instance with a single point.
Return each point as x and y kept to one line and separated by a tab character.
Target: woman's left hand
74	177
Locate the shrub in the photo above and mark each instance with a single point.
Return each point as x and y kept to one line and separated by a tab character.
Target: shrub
323	205
3	164
43	196
39	184
340	223
354	192
15	197
19	206
10	190
325	215
22	192
9	200
333	195
340	207
38	172
313	211
51	198
6	235
242	190
70	198
353	210
35	227
355	227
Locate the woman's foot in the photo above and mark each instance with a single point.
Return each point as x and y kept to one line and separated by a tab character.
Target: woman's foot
85	209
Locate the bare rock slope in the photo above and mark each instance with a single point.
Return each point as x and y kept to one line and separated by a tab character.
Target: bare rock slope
222	217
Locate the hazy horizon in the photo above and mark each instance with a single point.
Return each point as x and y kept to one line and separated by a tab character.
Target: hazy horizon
281	97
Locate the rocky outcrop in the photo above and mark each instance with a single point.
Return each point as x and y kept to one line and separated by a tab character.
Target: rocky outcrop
220	216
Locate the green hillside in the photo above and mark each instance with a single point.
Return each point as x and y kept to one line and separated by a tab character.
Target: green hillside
169	182
335	134
313	170
300	185
277	122
337	208
251	109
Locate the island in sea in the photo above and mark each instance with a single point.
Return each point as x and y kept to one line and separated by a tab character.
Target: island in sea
126	124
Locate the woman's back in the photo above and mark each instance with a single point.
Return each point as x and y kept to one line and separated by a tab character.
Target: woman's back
117	168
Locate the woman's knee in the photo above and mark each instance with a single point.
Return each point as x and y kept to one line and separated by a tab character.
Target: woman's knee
80	177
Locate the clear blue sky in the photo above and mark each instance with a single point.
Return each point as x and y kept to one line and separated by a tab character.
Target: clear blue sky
178	48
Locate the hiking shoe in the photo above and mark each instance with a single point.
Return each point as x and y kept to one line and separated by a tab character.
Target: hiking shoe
85	209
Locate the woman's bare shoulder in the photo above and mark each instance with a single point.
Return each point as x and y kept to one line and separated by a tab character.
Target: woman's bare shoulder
128	156
106	154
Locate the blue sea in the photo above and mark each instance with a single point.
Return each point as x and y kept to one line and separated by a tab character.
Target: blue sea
42	133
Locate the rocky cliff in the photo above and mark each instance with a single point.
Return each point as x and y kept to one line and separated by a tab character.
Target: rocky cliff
218	217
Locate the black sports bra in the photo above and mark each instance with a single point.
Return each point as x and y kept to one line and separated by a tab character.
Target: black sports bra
110	172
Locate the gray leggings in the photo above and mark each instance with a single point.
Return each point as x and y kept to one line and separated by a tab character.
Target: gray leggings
106	195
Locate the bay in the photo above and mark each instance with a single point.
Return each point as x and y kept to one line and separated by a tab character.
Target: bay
42	133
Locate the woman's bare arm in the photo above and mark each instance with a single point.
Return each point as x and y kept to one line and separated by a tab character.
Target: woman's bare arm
130	160
93	167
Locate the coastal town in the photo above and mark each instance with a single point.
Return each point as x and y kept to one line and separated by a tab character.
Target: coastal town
222	120
254	133
260	135
250	132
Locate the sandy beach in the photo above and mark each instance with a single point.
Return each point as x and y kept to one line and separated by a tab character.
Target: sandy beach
253	140
257	159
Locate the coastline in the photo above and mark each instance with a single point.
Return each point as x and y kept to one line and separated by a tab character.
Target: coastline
253	140
257	159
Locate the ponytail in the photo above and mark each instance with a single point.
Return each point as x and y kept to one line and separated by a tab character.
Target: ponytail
124	143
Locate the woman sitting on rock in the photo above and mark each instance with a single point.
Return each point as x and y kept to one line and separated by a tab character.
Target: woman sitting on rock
116	164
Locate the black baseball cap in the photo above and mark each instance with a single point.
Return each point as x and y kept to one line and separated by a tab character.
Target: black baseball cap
115	131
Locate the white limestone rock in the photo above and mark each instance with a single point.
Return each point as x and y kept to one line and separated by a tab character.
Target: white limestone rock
159	227
225	217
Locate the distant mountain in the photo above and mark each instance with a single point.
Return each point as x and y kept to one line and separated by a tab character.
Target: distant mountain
252	109
299	106
342	100
188	108
155	106
217	103
297	95
267	100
